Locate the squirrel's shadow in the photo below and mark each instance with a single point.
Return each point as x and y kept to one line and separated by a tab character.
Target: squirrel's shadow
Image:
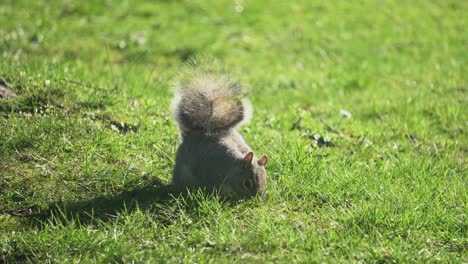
153	196
104	208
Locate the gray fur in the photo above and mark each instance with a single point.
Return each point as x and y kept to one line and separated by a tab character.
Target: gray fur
209	103
212	153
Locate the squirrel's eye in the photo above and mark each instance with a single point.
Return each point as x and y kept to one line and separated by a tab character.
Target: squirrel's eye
248	184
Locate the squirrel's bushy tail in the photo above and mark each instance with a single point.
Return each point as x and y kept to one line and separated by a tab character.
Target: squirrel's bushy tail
208	102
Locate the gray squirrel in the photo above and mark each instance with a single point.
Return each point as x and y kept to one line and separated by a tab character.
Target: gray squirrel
207	108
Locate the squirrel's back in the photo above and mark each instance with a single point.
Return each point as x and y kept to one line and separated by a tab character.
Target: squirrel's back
209	103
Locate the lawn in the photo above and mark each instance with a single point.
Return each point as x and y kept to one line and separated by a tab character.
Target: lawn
358	104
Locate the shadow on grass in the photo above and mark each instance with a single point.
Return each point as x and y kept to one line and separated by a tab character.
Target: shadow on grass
150	196
156	196
144	197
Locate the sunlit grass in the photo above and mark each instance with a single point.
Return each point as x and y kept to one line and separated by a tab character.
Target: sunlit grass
87	147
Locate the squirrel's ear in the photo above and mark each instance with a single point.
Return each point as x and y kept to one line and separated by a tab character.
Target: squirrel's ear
248	157
263	160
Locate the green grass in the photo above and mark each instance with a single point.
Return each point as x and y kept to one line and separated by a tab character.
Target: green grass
88	145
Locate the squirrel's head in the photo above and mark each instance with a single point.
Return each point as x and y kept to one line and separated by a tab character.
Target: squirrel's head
247	179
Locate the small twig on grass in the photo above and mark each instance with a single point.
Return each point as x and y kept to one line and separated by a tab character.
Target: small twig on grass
23	212
18	212
110	215
336	131
83	84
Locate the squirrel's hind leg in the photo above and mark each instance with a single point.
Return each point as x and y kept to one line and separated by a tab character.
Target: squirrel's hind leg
183	177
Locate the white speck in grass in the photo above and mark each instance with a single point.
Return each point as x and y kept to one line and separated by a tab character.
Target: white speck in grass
20	32
367	142
115	128
122	44
345	114
47	82
239	6
334	224
139	38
